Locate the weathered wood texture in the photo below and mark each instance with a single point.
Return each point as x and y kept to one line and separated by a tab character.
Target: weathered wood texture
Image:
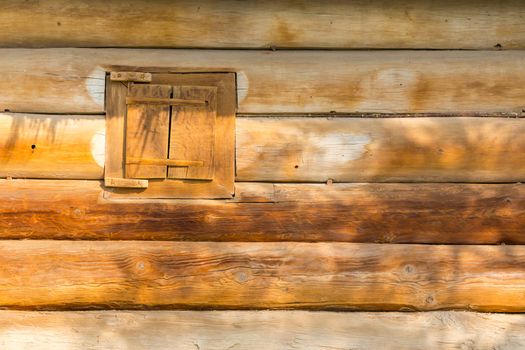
392	149
350	276
51	146
72	80
248	330
295	149
400	213
470	24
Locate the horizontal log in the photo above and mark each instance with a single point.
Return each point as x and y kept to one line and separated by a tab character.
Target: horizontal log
248	330
472	24
52	146
400	213
389	150
294	149
72	80
229	275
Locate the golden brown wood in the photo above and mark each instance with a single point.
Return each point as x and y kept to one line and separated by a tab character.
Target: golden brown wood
282	81
79	275
385	150
397	213
222	185
51	146
115	129
343	149
131	76
192	134
147	132
469	24
249	330
165	162
164	101
120	182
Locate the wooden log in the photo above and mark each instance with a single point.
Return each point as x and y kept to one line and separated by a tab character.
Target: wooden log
397	213
72	80
51	146
471	24
248	330
295	149
229	275
389	150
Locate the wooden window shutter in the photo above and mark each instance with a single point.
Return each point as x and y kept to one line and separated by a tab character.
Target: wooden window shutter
170	135
147	132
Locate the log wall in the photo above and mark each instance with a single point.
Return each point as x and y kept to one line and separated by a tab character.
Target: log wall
385	179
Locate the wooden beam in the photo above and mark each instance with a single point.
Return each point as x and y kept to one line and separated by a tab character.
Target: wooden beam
229	275
72	80
397	213
386	150
471	24
247	330
51	146
294	149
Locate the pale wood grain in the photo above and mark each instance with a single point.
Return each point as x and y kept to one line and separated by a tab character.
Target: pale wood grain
469	24
230	275
51	146
72	80
388	149
222	330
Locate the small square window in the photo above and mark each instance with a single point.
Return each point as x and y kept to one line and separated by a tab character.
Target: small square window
170	135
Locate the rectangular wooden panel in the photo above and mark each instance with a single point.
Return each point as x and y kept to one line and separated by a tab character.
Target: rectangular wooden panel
350	276
249	330
397	213
280	82
469	24
298	149
192	134
147	132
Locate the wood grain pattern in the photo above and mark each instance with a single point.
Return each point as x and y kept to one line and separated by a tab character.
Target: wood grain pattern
389	150
228	275
396	213
192	134
471	24
72	80
296	149
147	132
51	146
248	330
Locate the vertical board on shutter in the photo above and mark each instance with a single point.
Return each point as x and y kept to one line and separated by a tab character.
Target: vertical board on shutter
192	134
147	132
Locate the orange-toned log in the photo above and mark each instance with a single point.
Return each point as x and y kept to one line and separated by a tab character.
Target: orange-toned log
400	213
350	276
52	146
295	149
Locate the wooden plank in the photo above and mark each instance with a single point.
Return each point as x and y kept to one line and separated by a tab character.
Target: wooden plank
226	275
114	127
51	146
247	330
192	134
387	150
72	80
269	149
471	24
147	132
397	213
